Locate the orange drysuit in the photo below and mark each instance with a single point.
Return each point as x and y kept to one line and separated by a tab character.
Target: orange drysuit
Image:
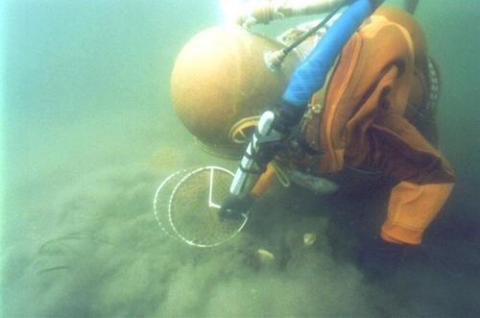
370	118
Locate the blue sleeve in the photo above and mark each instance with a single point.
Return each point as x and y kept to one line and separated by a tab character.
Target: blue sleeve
310	76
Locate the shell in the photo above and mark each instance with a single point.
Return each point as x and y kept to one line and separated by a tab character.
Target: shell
264	256
309	239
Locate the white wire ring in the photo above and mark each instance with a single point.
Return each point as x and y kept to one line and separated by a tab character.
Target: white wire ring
155	200
183	238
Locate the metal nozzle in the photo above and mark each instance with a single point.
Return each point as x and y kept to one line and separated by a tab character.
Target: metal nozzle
274	59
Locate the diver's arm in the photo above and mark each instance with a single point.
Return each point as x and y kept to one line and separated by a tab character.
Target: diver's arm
263	182
410	5
309	77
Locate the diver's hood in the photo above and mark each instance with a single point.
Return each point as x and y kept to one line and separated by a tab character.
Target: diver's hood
220	85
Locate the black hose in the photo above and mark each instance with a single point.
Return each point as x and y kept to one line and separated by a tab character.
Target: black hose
312	31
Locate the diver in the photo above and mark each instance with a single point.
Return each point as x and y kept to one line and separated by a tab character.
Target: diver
360	101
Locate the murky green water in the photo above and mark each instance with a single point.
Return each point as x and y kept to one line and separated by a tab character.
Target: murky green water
89	132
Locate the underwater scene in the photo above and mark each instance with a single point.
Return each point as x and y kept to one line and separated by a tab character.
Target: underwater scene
166	158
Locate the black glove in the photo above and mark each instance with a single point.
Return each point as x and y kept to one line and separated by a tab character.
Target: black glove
379	259
234	206
287	116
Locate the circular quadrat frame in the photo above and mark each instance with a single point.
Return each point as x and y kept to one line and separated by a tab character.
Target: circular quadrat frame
187	175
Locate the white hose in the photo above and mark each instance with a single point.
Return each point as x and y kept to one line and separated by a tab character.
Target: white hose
269	10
